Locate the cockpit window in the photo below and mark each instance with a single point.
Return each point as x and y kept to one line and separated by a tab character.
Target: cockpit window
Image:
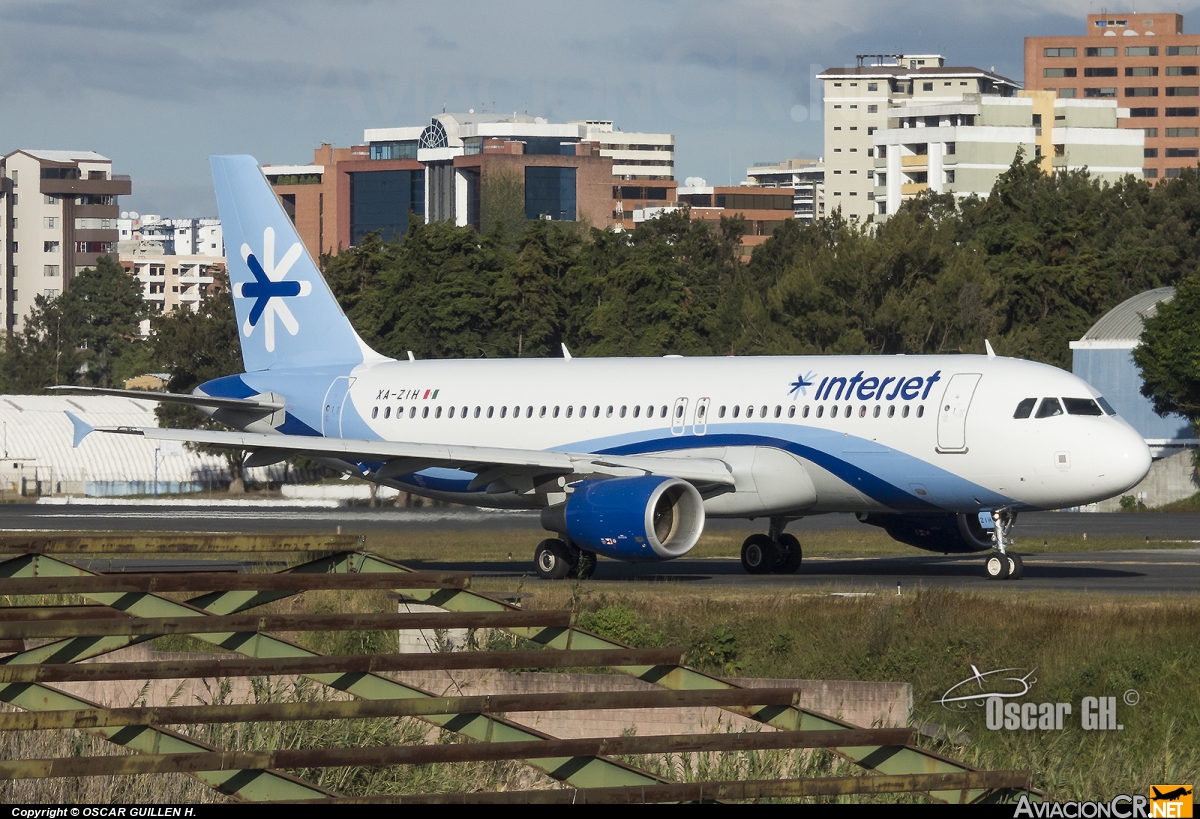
1107	407
1081	406
1049	408
1025	408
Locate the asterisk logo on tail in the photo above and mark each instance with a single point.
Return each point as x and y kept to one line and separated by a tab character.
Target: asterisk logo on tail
269	289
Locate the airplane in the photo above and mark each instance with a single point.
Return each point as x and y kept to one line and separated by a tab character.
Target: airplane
1172	795
627	457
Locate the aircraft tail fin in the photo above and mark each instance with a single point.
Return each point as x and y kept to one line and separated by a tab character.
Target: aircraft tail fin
286	314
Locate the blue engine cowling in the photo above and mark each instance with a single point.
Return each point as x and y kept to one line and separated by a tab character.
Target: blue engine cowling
645	518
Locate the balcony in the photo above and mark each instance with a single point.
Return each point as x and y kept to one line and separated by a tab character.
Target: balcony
914	161
115	186
913	188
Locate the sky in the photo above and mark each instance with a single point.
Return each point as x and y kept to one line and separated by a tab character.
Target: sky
159	86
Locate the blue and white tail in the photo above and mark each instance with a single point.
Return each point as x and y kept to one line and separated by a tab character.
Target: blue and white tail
287	316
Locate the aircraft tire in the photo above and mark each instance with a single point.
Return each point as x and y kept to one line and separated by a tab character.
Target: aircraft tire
1016	568
759	555
552	559
790	555
585	566
996	566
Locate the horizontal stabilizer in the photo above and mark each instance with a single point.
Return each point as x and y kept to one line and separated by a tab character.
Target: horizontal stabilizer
82	429
262	405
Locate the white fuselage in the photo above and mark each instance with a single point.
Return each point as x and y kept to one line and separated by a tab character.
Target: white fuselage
801	435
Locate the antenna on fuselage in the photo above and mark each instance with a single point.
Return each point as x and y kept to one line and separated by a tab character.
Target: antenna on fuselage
411	357
988	346
566	352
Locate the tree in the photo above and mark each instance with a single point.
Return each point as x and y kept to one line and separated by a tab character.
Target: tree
81	336
1169	355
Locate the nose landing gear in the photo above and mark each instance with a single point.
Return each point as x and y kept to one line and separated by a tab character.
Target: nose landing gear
1000	564
773	553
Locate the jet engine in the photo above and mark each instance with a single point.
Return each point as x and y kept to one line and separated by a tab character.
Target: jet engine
936	533
645	518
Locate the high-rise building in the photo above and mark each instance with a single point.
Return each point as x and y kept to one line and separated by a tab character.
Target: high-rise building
1143	60
461	167
806	177
62	216
963	147
858	100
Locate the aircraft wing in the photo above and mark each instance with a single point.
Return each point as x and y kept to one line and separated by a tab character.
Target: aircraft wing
510	467
265	404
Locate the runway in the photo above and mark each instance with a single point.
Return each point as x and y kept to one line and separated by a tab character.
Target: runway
1147	571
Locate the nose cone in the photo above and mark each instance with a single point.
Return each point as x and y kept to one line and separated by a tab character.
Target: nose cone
1125	461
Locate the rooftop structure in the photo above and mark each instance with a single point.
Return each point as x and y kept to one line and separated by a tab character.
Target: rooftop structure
806	177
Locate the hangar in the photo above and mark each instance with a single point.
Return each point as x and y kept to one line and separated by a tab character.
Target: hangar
1104	358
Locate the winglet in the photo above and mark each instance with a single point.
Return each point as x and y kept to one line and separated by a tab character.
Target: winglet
82	429
988	346
566	352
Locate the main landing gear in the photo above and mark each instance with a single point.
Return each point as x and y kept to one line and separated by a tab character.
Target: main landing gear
556	559
772	553
1001	564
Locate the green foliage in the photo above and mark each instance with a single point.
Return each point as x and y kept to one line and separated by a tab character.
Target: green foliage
621	623
84	336
716	648
1169	356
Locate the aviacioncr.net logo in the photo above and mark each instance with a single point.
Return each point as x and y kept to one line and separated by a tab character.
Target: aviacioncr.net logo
269	289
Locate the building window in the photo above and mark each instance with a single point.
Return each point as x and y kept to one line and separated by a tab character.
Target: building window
1182	51
1104	51
1141	51
1100	72
1142	71
53	294
871	131
926	86
47	247
1058	52
1182	152
1060	72
1141	92
50	222
382	200
1180	132
50	270
1150	132
1174	173
872	109
870	152
1151	153
1183	70
950	177
1183	91
872	86
1149	173
1100	92
951	147
837	106
550	193
1183	112
1143	112
1060	150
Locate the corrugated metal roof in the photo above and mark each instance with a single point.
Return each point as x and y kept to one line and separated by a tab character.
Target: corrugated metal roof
1124	322
36	429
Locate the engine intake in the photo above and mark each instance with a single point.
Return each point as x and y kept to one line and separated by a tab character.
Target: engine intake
646	518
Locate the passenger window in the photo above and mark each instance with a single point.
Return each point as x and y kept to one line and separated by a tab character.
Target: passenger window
904	412
608	412
699	412
778	409
833	411
792	411
464	412
542	413
477	412
375	413
622	412
1049	408
875	414
637	410
1025	408
892	411
450	413
736	410
749	412
849	409
570	411
805	413
679	411
425	412
438	413
820	410
556	412
663	414
412	412
596	412
490	411
1081	406
503	412
721	412
921	411
762	413
516	412
862	411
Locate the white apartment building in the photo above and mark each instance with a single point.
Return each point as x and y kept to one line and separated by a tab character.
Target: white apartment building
805	176
635	155
62	211
177	237
857	104
963	147
171	281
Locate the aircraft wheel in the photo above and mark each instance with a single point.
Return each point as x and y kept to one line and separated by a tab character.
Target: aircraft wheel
585	566
790	555
759	554
1015	567
552	559
996	566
